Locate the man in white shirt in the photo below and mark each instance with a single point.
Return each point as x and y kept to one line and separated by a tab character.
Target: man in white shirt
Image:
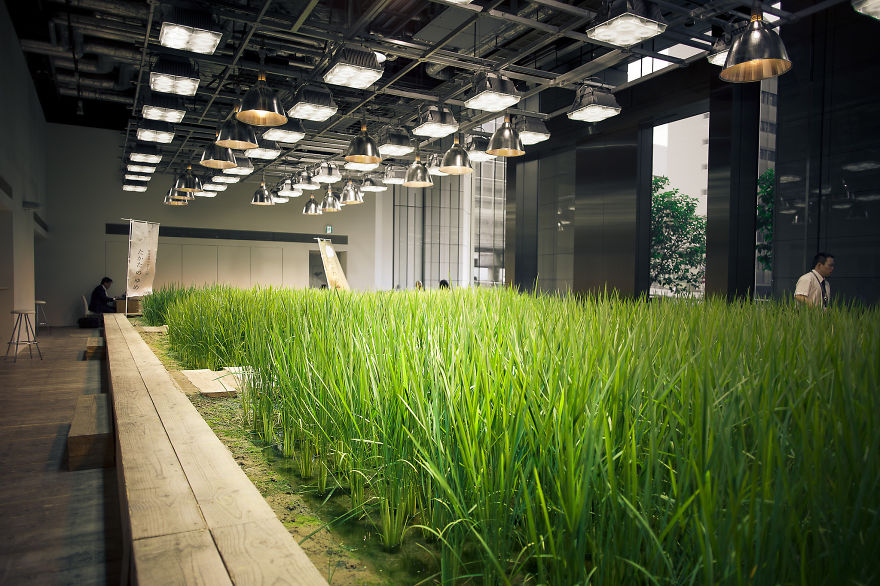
813	288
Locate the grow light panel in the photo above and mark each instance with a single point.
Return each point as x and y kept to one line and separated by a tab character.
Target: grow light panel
172	76
292	131
352	166
267	150
394	142
134	187
190	30
155	134
225	179
355	69
436	123
132	177
144	158
492	93
140	168
313	103
626	30
214	186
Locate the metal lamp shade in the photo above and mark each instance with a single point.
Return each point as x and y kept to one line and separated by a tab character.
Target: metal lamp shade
505	141
417	175
217	157
262	197
394	176
592	104
188	183
719	51
757	53
236	135
434	162
455	161
261	106
363	149
330	204
350	195
170	200
290	132
312	208
243	166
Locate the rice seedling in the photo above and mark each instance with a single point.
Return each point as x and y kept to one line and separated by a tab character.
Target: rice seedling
570	440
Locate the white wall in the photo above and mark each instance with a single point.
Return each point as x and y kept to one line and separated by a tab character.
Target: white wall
85	194
23	168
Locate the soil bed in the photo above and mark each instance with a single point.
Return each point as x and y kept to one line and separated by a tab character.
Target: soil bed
345	551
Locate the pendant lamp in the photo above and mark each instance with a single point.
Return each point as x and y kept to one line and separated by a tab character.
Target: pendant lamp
138	187
286	189
235	134
312	208
266	150
262	197
755	54
718	53
531	130
261	106
350	194
395	142
217	157
492	93
433	166
505	141
867	7
455	161
144	153
188	183
363	149
352	166
331	203
417	174
436	122
226	179
170	200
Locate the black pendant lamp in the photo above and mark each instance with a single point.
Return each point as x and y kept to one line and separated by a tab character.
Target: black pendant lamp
188	183
505	141
363	149
235	134
217	157
755	54
262	197
455	161
261	106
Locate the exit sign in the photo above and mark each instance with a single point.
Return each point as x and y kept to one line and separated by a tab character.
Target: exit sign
328	229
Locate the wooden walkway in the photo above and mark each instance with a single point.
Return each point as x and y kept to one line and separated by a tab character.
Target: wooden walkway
58	527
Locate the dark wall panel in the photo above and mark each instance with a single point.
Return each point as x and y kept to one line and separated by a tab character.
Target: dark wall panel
828	159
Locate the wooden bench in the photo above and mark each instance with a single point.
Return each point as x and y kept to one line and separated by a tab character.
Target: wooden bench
90	439
189	513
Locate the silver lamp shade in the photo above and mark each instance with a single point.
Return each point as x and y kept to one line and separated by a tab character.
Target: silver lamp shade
217	157
363	149
330	204
417	175
312	208
455	161
755	54
188	183
505	141
350	195
170	200
236	135
262	197
261	106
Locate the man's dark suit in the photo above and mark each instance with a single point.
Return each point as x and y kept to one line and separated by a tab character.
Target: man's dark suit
100	302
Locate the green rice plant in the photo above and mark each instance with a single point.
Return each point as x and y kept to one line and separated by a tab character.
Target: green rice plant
571	440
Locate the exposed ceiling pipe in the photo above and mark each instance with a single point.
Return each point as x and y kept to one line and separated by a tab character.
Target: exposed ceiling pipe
492	42
98	66
95	95
120	7
92	82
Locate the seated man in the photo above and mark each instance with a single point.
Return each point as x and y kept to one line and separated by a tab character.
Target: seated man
100	302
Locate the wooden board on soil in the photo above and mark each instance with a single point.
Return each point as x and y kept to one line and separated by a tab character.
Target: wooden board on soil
212	383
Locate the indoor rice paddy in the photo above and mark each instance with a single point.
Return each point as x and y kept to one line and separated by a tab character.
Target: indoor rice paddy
567	440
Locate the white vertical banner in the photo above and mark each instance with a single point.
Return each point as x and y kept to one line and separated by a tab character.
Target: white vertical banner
143	244
332	269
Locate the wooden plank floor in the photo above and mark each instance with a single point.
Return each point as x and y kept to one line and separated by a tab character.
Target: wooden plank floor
56	527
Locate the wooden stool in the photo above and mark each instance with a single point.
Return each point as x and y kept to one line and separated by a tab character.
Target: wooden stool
40	317
23	321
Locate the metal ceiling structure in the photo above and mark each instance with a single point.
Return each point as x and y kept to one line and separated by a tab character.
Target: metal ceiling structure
91	59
